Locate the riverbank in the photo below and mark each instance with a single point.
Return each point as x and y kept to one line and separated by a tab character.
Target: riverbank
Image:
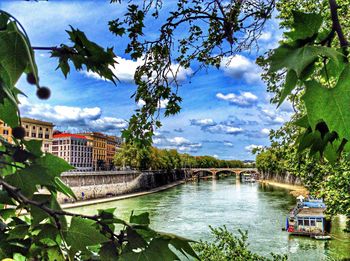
295	190
131	195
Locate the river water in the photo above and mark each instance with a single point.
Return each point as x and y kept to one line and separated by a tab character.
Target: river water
189	209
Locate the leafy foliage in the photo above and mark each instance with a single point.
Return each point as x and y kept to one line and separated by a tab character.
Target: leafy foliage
215	29
226	246
85	52
313	146
162	159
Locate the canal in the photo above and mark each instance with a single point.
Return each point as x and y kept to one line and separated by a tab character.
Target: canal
189	209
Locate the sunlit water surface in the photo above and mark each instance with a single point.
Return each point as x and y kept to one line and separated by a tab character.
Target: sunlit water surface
189	209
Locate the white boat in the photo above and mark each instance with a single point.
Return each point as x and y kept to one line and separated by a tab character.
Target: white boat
322	237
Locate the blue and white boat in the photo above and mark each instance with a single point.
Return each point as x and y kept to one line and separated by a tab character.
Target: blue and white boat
308	219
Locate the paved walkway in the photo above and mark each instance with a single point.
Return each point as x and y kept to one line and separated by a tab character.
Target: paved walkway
131	195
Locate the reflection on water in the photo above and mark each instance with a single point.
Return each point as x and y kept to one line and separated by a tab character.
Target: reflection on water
261	209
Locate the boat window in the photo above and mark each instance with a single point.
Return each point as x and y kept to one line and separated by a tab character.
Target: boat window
312	222
306	222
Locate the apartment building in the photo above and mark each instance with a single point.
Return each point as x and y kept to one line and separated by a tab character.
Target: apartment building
5	131
112	143
75	149
98	142
39	130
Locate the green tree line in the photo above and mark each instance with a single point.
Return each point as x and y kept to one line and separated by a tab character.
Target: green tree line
153	158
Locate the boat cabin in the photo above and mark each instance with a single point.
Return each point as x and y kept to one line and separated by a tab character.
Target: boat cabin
308	218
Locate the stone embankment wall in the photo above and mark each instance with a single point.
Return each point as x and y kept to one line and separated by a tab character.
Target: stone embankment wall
280	177
91	185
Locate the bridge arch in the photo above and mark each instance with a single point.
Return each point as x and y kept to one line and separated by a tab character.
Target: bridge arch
198	172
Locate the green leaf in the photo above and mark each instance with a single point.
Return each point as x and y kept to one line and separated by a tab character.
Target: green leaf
8	113
330	105
5	198
55	254
64	188
34	147
142	219
291	82
302	122
298	59
13	54
183	246
43	171
19	232
158	250
305	25
19	257
82	233
134	239
108	252
330	153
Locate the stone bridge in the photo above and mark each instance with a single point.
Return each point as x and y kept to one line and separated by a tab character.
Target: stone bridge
215	172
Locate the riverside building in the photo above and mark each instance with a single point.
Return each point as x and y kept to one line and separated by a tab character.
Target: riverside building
98	142
5	131
112	144
39	130
75	149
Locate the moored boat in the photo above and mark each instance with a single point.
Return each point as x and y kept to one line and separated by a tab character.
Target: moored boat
308	219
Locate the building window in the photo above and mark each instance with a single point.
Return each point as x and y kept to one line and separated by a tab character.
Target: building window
6	132
40	128
47	136
312	222
40	135
33	135
33	127
26	126
47	129
27	133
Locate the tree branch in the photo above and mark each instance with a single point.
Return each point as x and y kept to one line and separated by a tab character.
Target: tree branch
18	196
337	27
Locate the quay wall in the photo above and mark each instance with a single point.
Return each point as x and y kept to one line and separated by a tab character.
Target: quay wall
285	177
92	185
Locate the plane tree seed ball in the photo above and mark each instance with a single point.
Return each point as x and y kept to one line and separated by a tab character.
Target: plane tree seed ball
18	132
43	93
31	78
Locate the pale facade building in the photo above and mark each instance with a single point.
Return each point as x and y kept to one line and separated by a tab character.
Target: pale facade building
38	130
75	149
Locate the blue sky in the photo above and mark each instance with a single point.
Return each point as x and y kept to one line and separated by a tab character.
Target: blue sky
226	111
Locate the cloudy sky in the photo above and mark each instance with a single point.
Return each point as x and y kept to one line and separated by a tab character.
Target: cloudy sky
226	111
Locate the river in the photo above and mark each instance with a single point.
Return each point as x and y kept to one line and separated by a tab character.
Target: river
189	209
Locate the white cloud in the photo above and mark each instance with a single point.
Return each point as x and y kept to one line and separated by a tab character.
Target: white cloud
265	131
215	156
202	122
265	36
72	118
272	116
179	141
244	99
59	113
124	70
223	129
252	146
107	124
161	104
228	144
240	67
